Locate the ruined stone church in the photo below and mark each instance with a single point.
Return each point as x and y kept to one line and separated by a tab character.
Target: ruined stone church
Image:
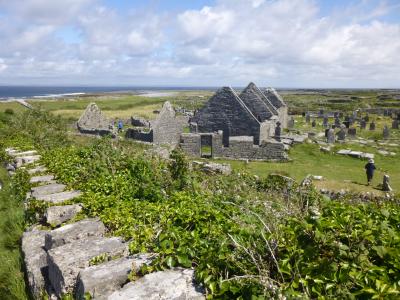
254	112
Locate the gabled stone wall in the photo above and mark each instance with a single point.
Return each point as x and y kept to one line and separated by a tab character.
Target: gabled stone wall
226	112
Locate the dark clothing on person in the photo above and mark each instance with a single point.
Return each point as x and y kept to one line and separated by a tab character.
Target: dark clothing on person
370	168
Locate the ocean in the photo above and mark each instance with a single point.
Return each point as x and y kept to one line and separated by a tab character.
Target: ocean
18	92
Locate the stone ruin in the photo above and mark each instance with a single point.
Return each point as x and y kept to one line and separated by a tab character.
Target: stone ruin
164	130
92	121
254	112
240	147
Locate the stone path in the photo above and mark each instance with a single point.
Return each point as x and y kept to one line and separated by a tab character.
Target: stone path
63	260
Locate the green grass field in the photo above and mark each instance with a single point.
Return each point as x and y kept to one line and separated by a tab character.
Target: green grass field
339	172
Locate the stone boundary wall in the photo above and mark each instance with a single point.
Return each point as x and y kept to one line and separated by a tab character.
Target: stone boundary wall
190	143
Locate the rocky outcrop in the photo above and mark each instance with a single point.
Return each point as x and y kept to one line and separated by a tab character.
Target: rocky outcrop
65	262
171	284
73	232
56	215
35	258
102	280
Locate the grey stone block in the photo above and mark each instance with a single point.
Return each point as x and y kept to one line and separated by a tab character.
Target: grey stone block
35	260
65	262
45	178
37	169
59	197
56	215
47	189
171	284
102	280
72	232
17	153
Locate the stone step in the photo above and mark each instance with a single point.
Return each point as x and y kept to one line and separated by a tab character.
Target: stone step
170	284
47	189
17	153
102	280
59	197
56	215
37	169
42	179
65	262
73	232
35	258
25	160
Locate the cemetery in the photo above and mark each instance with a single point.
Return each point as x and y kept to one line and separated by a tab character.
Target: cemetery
177	196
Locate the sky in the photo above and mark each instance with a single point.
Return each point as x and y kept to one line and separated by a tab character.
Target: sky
278	43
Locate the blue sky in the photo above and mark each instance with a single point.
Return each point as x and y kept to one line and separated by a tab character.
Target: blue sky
281	43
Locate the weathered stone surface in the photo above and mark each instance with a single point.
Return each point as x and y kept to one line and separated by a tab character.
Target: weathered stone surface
35	260
25	160
17	153
47	189
56	215
93	121
72	232
37	169
171	284
330	136
45	178
65	262
102	280
386	184
212	167
59	197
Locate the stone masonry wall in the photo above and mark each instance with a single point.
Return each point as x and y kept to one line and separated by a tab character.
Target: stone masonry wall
138	134
167	128
240	147
225	111
191	144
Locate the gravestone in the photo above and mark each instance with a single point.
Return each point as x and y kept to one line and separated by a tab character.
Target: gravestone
395	124
363	124
352	131
342	134
313	124
372	125
386	132
386	184
278	130
308	118
325	121
337	122
330	136
321	112
291	123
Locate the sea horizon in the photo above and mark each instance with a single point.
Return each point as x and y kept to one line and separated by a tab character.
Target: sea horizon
9	92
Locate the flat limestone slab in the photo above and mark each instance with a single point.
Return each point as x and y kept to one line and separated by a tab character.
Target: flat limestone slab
72	232
65	262
37	169
102	280
17	153
35	258
47	189
56	215
59	197
45	178
174	284
24	160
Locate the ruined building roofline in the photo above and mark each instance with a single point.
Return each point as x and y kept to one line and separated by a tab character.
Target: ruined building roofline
240	101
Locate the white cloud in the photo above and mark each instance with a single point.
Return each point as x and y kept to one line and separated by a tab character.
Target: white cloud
276	42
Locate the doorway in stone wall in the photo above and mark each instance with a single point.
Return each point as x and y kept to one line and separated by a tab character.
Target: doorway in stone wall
206	145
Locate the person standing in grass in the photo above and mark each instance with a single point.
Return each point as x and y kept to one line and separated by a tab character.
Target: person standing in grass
120	125
370	168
